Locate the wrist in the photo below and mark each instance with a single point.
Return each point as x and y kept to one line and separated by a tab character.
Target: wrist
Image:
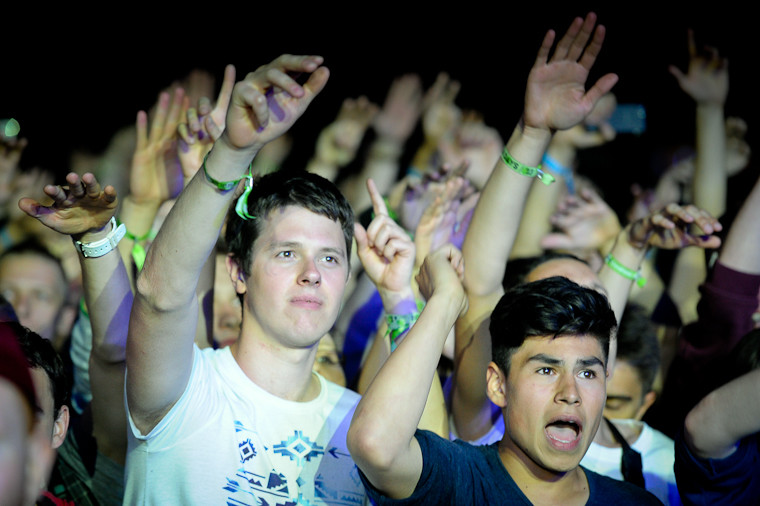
94	234
710	107
628	250
227	162
527	145
138	216
96	244
398	302
450	301
533	133
386	147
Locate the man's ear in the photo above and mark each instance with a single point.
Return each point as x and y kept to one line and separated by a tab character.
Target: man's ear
648	400
496	385
60	426
237	276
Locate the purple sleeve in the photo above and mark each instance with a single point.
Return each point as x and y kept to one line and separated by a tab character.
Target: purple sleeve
729	298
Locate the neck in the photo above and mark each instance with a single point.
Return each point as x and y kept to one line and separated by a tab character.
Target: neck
543	486
286	373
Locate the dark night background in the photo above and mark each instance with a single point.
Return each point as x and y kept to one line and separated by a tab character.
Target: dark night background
73	83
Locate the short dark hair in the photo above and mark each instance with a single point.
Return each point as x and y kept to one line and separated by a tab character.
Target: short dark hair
280	189
519	268
553	307
39	352
638	345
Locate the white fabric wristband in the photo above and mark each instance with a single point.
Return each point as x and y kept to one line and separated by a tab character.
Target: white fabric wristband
102	246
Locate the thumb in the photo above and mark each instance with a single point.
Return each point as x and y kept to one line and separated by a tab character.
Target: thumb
676	72
360	235
31	207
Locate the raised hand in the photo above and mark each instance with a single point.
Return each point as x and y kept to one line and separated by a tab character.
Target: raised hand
338	143
675	227
203	126
438	221
583	222
401	110
78	208
474	142
386	251
269	100
439	112
151	177
556	97
442	272
706	79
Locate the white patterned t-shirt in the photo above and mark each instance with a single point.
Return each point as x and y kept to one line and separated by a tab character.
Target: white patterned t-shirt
228	441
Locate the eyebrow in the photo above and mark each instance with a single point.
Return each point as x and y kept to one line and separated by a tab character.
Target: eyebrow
583	362
295	244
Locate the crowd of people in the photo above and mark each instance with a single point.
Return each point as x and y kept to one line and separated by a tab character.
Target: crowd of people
426	311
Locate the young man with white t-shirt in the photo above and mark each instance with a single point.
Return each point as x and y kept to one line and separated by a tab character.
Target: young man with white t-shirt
249	423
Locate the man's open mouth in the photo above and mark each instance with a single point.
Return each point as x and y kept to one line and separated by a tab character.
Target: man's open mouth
564	430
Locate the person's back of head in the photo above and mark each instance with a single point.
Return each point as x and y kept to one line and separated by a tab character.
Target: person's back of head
518	269
281	189
52	381
551	307
25	453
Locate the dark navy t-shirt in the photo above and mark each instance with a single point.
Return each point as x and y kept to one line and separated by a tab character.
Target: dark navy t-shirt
734	480
456	472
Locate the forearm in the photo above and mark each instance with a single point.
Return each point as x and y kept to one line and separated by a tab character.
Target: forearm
108	295
618	287
381	165
422	160
740	251
323	168
498	212
536	220
382	430
138	217
188	235
470	406
709	183
725	416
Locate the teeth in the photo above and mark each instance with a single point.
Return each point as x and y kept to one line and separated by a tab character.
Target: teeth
563	431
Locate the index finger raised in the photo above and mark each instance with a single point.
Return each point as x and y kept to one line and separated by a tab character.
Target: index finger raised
378	203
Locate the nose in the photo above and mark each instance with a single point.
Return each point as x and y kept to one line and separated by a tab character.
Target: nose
567	392
310	275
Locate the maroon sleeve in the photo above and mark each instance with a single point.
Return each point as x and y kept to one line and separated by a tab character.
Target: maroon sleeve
729	298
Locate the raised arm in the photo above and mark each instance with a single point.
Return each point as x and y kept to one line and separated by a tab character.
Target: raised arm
555	98
388	256
338	143
381	437
197	135
83	210
264	106
726	415
706	82
149	184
